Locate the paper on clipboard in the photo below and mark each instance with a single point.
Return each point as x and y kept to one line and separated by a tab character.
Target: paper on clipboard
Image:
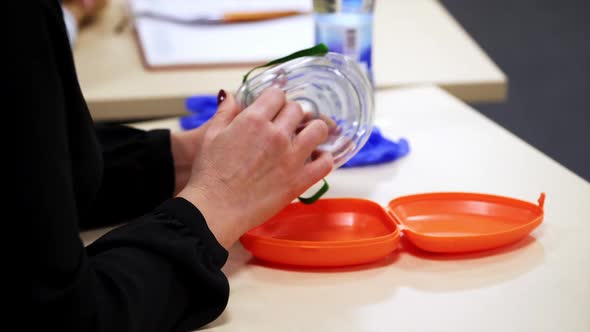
167	44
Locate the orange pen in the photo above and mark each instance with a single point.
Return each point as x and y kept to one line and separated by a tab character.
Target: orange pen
227	17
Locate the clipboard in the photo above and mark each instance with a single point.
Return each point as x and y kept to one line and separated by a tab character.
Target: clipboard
166	44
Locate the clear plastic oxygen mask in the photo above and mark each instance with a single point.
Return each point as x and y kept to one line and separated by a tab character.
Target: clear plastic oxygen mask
332	88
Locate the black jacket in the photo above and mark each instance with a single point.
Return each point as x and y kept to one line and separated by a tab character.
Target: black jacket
159	272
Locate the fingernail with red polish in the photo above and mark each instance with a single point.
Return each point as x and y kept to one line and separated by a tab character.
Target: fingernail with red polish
220	97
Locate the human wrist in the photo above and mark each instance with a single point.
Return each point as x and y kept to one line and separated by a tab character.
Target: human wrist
224	227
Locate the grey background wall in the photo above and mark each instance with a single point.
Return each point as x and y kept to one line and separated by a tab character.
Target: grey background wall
544	48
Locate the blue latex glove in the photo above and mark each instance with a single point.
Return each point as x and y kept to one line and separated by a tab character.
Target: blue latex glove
202	108
377	150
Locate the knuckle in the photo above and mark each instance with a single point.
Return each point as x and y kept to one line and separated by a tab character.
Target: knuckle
254	119
264	108
278	137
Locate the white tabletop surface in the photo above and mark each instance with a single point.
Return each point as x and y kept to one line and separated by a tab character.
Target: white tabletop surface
541	283
415	42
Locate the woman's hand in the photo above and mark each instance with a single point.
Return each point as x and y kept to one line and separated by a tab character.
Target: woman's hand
254	162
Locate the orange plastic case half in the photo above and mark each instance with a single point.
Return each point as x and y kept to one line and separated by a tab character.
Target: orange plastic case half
348	231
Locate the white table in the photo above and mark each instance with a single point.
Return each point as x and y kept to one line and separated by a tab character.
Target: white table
539	284
415	42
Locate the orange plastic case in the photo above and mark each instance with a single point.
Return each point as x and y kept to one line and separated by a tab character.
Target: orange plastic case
348	231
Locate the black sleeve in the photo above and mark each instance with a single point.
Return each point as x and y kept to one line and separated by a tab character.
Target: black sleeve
138	173
160	272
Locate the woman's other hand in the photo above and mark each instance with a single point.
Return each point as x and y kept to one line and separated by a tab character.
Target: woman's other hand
186	146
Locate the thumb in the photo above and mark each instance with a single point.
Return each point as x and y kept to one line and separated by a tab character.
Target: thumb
227	108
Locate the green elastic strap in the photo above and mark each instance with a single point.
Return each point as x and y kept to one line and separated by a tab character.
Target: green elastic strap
318	50
316	196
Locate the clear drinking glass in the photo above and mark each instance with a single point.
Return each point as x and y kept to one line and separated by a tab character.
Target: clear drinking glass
332	88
